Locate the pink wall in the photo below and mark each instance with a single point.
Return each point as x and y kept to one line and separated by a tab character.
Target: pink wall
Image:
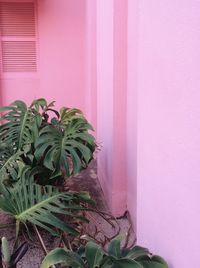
168	182
162	117
61	57
62	51
91	63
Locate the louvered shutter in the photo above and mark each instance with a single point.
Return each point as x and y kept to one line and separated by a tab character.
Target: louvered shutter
18	37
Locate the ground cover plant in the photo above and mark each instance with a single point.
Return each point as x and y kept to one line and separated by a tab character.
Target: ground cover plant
93	255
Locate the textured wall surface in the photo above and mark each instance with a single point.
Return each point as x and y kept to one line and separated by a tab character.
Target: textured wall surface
168	177
61	57
62	31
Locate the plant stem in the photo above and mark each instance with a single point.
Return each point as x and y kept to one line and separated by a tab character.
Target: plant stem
7	225
40	240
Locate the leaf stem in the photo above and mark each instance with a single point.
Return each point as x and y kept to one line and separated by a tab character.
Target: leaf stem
40	240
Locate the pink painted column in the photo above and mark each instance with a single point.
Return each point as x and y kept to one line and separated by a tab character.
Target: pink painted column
105	94
119	107
132	106
111	100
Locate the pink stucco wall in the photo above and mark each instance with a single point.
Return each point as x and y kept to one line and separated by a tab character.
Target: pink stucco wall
168	154
162	117
62	61
62	41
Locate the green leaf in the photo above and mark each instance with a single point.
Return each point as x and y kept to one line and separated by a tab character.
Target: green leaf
68	148
20	123
159	259
136	252
126	263
19	253
29	202
107	262
5	251
154	261
67	115
39	102
149	261
114	249
18	131
153	264
94	254
9	164
61	256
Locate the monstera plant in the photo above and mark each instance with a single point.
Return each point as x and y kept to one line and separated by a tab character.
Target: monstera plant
38	146
53	144
30	203
93	256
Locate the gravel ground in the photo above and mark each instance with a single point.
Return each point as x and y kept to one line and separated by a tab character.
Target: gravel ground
86	181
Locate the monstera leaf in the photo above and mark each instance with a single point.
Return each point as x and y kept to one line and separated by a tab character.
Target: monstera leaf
20	125
9	161
67	115
68	149
29	202
59	146
18	131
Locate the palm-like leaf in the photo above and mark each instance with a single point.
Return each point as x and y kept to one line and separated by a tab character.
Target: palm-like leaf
69	149
9	161
29	202
20	126
62	147
67	115
18	131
